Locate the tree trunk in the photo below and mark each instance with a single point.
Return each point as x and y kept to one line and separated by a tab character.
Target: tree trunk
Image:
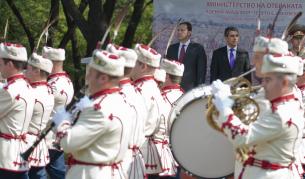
24	26
71	27
133	23
93	28
54	14
76	62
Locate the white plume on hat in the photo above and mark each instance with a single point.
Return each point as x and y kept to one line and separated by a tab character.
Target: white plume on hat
39	62
273	45
148	55
108	63
54	54
129	54
160	75
172	67
260	44
282	64
13	51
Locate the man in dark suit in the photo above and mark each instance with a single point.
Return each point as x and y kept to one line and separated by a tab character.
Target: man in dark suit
229	61
191	54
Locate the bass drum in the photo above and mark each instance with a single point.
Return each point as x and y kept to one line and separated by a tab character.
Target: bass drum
199	149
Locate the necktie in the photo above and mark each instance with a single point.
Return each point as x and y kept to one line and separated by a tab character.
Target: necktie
232	58
182	53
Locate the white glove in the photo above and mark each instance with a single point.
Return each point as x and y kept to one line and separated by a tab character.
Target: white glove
219	87
1	85
82	104
223	103
61	115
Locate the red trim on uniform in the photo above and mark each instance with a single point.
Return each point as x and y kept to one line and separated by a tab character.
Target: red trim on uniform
39	83
145	78
72	161
58	75
134	148
170	87
283	98
105	91
301	87
235	129
62	134
12	79
228	122
125	81
15	137
289	122
15	77
286	98
263	164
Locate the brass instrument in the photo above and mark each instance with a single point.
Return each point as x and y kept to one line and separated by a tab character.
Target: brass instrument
244	107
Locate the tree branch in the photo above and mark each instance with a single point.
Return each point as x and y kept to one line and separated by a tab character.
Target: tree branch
71	24
95	12
76	61
77	17
108	9
54	13
133	23
21	21
147	4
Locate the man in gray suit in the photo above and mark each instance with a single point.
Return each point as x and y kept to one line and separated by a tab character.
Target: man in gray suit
191	54
229	61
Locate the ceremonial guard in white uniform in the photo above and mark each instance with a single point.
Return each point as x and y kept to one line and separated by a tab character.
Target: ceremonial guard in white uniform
296	33
275	135
148	61
98	140
274	46
63	93
16	110
171	91
37	72
133	162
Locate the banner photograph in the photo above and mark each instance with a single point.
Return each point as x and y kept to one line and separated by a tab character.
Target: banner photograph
210	18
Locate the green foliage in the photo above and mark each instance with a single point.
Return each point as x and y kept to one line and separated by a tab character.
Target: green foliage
144	29
36	13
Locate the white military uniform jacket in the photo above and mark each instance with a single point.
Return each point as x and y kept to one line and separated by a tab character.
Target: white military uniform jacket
274	139
63	93
44	103
99	139
155	105
169	167
133	162
302	90
16	110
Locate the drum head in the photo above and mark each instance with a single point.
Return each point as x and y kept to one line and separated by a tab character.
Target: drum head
197	147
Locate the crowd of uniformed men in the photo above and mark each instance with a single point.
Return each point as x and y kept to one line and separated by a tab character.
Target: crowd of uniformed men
120	128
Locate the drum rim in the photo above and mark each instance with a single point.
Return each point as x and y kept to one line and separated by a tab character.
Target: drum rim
187	103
